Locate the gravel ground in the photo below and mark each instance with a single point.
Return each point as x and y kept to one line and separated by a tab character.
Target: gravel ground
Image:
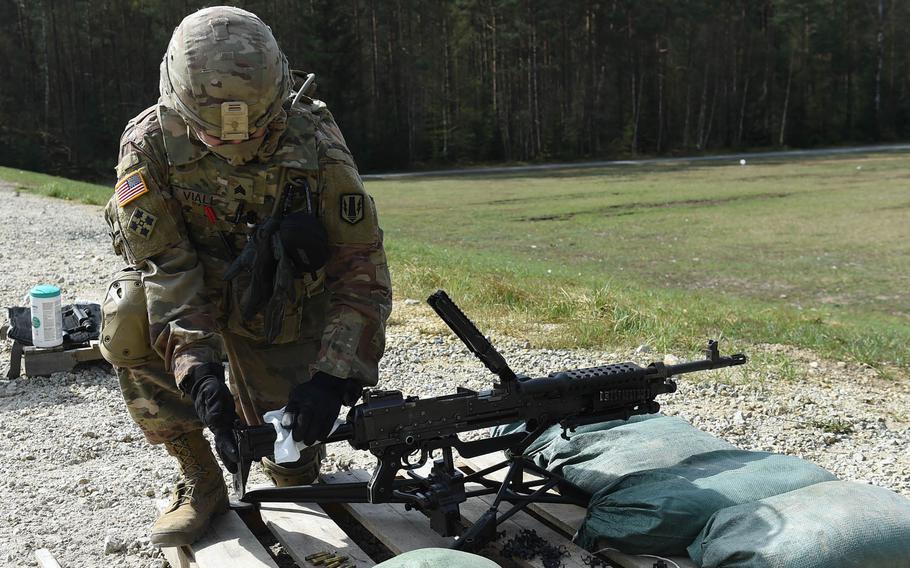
79	479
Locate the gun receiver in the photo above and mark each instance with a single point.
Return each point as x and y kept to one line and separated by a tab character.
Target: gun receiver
403	432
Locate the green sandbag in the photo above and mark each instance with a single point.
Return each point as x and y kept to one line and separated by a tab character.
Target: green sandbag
660	510
598	454
839	524
437	558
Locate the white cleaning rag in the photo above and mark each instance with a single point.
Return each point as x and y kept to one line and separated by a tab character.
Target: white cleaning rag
286	449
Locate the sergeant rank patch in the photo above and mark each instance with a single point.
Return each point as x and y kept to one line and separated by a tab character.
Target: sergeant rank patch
352	207
131	186
142	222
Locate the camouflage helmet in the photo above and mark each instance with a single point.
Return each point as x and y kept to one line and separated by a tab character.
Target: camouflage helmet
224	72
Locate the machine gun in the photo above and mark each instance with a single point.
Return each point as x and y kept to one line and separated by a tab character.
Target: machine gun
403	432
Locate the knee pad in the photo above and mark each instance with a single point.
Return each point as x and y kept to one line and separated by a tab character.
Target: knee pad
124	322
301	472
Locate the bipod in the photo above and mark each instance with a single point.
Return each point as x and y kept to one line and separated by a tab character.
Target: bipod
517	491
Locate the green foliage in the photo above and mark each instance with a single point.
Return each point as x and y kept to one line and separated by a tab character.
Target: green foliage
421	82
833	425
61	188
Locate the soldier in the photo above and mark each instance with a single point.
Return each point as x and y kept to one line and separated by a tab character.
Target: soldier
248	233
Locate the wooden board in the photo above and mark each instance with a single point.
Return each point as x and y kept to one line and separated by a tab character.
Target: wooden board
305	529
38	361
228	543
46	559
398	529
567	518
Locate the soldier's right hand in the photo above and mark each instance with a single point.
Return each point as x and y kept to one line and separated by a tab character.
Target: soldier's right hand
215	407
226	446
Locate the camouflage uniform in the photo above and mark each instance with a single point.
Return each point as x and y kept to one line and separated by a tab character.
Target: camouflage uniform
184	230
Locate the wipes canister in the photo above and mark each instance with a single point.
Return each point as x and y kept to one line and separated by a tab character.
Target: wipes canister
47	316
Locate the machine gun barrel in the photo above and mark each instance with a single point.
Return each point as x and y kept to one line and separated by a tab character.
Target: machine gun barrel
613	376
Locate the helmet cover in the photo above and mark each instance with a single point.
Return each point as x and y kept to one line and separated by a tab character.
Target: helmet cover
224	73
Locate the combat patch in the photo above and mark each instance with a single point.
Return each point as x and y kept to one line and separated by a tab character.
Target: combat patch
131	186
352	207
142	222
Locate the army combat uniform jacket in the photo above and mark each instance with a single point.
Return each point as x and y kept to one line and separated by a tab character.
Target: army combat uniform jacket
181	214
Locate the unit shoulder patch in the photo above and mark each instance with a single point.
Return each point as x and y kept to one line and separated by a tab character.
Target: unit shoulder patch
142	223
131	186
352	207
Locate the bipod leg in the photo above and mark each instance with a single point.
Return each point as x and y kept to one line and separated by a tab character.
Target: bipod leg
484	529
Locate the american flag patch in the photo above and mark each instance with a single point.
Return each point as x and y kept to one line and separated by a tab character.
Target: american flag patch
130	187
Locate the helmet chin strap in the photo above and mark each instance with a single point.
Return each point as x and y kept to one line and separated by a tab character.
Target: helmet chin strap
240	153
235	154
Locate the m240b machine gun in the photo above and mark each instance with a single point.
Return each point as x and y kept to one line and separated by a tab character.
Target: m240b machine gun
403	432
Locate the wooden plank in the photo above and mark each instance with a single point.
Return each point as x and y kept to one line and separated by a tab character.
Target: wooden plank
90	353
44	361
46	559
227	543
305	529
178	557
400	530
567	518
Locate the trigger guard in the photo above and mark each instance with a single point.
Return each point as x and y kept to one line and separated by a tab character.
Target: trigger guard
406	465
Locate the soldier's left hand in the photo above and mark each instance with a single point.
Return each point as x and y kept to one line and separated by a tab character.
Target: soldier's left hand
313	407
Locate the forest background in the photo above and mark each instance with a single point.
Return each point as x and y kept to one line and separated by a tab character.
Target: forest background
418	83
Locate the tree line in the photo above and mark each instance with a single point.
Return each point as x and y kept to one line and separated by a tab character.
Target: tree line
416	83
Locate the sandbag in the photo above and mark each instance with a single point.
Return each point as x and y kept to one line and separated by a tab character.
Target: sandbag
437	558
660	510
596	455
838	524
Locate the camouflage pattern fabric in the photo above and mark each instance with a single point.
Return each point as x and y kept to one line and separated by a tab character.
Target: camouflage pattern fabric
212	202
219	55
155	404
180	213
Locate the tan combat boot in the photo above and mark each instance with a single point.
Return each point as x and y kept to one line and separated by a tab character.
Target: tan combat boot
199	496
301	472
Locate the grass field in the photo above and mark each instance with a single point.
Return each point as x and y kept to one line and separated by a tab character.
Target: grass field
814	253
53	186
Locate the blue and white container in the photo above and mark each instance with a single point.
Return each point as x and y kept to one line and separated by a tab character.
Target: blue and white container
47	316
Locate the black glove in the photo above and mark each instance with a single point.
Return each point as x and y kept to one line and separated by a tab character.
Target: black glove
306	242
258	259
313	406
215	407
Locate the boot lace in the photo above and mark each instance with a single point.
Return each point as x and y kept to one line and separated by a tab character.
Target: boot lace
190	468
